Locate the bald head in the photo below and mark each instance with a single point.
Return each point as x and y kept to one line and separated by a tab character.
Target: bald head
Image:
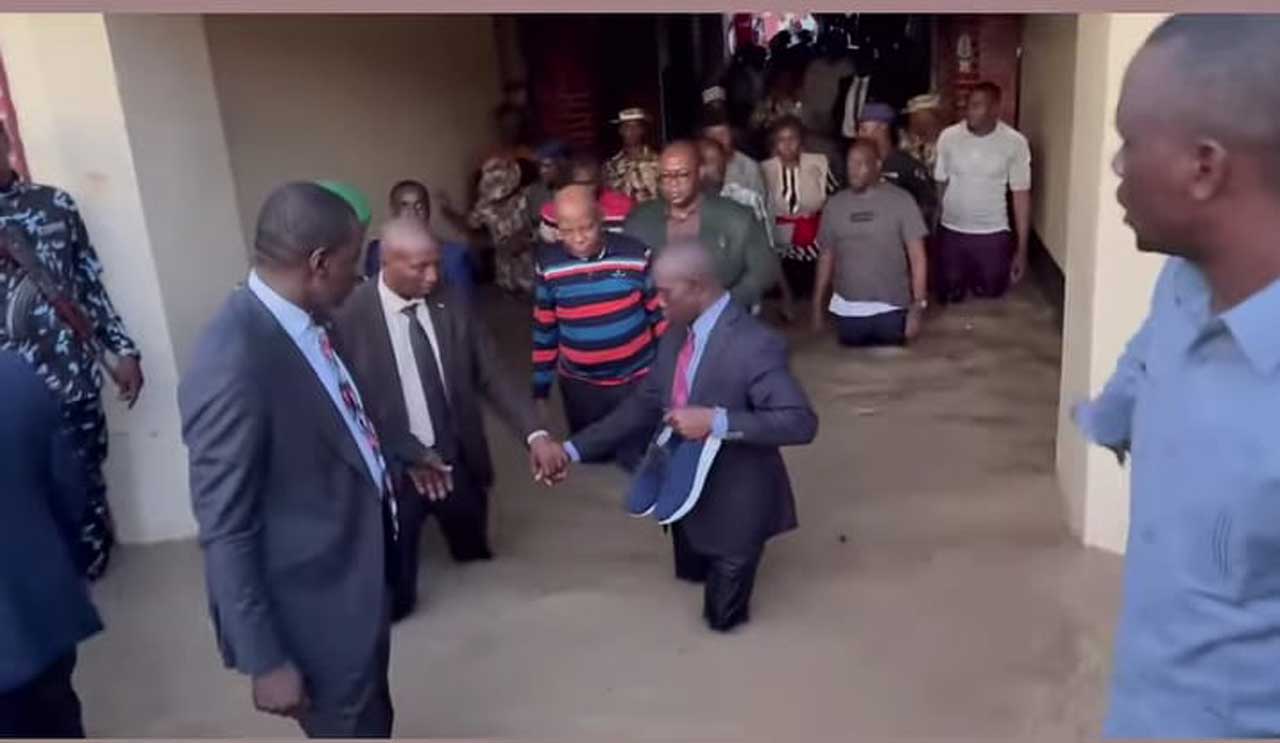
578	220
687	282
410	257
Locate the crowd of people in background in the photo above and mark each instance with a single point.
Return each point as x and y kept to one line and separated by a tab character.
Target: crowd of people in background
325	426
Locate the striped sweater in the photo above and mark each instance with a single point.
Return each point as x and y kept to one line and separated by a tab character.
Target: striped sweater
594	320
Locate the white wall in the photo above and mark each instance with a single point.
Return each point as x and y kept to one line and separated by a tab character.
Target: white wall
63	80
1108	283
184	172
365	99
1046	99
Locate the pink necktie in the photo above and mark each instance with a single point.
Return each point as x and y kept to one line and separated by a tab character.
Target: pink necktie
680	385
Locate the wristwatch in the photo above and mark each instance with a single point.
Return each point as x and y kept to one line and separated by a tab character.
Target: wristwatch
922	304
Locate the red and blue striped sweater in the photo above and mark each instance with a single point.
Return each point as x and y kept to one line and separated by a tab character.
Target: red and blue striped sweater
595	320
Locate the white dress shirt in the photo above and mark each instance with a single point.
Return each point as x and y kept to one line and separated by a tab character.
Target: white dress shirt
415	399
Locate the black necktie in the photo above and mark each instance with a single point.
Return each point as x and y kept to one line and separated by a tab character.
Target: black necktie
432	385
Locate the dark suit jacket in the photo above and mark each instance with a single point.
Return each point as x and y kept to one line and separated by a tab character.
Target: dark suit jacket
744	369
744	262
290	519
44	602
472	373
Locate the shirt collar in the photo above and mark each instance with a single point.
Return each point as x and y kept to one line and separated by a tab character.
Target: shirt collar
295	320
391	302
707	320
1253	324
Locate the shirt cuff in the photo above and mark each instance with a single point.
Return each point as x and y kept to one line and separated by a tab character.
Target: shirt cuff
572	451
535	436
720	423
1102	424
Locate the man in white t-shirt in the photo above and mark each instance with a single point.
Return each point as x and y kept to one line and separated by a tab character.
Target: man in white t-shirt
980	160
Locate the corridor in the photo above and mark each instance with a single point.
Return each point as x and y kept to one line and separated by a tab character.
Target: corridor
932	589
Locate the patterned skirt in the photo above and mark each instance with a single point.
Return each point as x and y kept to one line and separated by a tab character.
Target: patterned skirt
797	236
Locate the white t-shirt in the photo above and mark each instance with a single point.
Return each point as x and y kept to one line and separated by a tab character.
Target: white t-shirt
978	171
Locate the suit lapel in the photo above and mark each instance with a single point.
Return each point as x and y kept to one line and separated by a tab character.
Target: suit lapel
298	376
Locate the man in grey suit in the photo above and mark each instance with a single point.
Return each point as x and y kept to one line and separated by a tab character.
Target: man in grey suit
288	482
734	383
424	363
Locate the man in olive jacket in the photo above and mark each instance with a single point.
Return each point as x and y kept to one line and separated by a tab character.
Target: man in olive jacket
743	261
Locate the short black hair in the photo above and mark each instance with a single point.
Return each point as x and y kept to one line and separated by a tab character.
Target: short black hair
991	89
783	123
408	183
299	218
864	143
1230	64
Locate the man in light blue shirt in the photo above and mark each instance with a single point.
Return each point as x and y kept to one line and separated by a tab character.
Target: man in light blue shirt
288	486
1195	399
307	335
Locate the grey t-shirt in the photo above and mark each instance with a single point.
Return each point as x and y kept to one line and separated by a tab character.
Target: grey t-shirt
868	232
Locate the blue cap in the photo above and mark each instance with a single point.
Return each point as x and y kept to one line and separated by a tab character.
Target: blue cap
552	150
881	112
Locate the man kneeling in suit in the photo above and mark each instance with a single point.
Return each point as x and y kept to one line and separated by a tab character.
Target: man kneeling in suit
423	362
718	372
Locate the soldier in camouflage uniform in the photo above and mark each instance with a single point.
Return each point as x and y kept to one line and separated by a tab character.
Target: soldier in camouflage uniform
634	169
30	325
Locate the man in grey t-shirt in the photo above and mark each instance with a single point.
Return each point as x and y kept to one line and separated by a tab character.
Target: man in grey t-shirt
872	241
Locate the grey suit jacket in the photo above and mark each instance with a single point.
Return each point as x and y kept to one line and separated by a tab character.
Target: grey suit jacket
472	373
747	497
290	521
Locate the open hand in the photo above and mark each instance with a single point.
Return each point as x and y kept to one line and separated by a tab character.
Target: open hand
693	424
281	692
432	478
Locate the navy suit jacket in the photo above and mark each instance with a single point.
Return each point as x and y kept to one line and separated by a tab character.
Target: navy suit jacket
44	600
747	497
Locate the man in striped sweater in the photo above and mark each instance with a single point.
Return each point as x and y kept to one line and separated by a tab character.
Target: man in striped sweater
596	318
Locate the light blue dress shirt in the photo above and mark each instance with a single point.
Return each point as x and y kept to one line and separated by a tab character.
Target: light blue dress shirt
305	334
1196	400
702	328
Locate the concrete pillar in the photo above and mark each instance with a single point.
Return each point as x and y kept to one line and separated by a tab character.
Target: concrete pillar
1108	283
120	112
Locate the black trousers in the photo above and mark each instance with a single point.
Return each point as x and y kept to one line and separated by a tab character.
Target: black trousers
86	426
44	707
584	404
886	329
728	580
464	523
367	713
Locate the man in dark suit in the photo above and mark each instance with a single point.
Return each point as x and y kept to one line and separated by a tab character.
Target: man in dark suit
288	482
425	363
718	372
44	602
